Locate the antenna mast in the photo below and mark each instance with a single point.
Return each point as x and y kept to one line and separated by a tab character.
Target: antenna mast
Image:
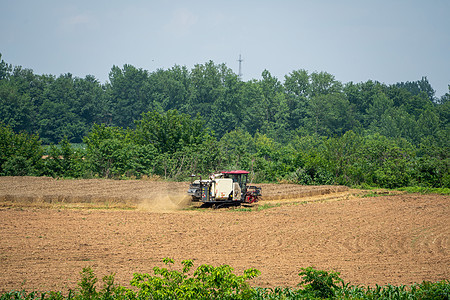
240	60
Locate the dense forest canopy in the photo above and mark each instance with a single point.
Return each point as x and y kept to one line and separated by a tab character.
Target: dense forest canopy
308	128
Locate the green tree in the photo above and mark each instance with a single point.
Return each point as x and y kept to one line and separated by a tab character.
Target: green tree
181	145
342	153
169	89
112	152
227	111
323	83
20	154
398	123
207	88
16	109
379	105
20	96
418	87
330	114
129	94
91	104
237	148
363	97
443	109
5	68
170	131
271	87
412	104
428	123
60	112
253	114
65	160
385	162
296	86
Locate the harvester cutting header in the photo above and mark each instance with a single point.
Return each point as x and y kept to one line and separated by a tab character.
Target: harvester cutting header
225	188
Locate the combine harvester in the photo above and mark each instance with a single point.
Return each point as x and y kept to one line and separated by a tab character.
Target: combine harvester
224	189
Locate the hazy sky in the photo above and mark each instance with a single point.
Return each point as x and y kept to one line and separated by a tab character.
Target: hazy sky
355	40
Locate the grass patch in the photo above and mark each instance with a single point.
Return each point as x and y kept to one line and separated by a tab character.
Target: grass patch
425	190
241	208
267	206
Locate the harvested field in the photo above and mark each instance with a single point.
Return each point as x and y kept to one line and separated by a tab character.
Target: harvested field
50	192
397	239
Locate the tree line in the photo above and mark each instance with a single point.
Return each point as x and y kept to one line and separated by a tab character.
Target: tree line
309	129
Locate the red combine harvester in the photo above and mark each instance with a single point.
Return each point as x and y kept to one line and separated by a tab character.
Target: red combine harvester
224	189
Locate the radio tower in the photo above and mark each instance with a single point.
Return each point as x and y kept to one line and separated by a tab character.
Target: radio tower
240	60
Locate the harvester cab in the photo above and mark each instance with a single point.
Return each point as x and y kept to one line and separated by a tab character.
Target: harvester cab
225	188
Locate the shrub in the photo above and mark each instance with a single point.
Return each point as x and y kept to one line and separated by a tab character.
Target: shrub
207	282
318	283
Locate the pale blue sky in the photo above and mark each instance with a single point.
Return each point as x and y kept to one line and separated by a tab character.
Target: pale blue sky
387	40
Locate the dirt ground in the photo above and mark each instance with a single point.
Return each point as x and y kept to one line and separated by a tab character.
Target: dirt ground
51	229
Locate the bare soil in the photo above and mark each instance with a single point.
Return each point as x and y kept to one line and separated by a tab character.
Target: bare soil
50	229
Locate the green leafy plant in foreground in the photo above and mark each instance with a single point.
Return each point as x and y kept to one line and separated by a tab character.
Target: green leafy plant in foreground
318	283
208	282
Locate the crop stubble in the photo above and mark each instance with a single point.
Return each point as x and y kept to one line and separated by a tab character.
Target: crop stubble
397	239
